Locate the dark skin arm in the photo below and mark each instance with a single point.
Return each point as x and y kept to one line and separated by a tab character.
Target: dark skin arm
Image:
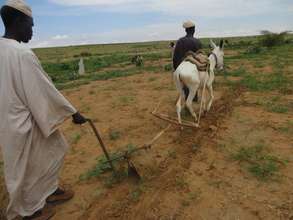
79	119
176	61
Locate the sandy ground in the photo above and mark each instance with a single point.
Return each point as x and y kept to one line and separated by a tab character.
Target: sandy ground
188	174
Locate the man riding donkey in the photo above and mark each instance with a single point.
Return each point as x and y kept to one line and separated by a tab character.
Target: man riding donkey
31	109
188	48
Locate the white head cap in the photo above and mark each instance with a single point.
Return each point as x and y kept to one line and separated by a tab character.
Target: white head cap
188	24
20	5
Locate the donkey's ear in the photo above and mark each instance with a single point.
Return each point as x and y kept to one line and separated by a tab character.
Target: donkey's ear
222	44
212	44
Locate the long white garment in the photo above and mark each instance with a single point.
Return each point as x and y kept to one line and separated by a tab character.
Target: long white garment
33	149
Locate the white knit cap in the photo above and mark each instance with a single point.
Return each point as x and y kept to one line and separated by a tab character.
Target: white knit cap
20	5
188	24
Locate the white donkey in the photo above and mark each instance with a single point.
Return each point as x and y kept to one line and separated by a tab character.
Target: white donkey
187	75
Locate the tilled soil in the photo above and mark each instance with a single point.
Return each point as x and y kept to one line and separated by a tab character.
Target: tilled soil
191	174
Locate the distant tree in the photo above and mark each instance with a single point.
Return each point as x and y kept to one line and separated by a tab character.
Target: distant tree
270	39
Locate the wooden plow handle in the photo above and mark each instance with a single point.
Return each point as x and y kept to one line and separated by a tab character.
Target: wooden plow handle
101	143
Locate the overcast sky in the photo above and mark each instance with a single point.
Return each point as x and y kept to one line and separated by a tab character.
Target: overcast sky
71	22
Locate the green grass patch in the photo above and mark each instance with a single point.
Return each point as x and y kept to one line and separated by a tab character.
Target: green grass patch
239	72
259	162
277	108
153	69
125	100
102	166
181	183
67	70
76	138
172	153
259	64
114	135
112	74
273	105
168	67
287	128
95	77
72	84
152	79
136	193
115	178
276	81
156	56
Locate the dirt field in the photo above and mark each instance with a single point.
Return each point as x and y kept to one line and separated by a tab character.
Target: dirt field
238	165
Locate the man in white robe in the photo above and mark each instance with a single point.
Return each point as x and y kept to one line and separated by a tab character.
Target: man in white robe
31	109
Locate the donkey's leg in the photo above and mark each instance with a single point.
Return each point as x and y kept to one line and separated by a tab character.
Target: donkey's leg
180	101
192	92
179	108
211	97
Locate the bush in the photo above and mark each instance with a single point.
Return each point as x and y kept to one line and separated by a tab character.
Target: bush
61	72
253	49
168	67
85	54
137	60
270	39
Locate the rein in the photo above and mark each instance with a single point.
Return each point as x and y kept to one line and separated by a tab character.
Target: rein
216	58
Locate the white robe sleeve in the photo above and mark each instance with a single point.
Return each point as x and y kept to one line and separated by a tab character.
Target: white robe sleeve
49	108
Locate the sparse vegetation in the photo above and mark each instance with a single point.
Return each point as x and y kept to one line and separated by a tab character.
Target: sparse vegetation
168	67
103	166
76	138
85	54
136	193
180	182
273	105
114	135
125	100
115	178
287	128
152	79
130	147
191	198
260	163
268	82
257	72
172	154
239	72
255	49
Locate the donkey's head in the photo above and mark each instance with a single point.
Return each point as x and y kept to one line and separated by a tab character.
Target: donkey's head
218	51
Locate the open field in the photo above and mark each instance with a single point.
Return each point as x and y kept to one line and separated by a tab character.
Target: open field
237	166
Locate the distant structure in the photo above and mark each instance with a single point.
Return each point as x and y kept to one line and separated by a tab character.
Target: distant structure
81	70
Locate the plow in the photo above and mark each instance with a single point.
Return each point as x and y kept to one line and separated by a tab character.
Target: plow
127	155
135	170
